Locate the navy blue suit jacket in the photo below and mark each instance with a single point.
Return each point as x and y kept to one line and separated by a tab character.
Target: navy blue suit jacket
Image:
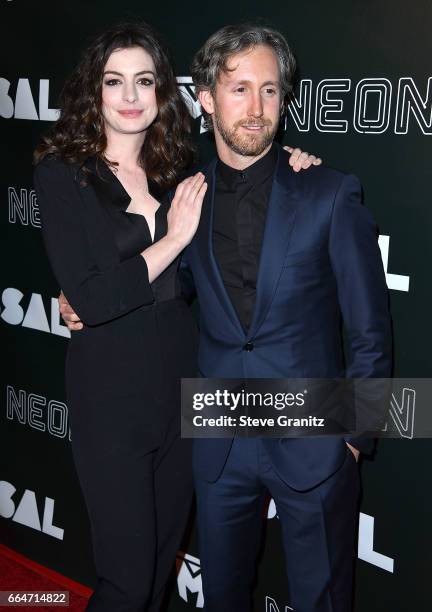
320	265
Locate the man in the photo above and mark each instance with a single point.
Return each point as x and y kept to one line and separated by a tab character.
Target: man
279	259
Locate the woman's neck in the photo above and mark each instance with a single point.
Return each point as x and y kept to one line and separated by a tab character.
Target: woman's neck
124	149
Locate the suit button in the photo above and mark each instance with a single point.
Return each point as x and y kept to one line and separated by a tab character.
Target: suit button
248	346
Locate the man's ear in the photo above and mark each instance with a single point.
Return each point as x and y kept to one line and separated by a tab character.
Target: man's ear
206	100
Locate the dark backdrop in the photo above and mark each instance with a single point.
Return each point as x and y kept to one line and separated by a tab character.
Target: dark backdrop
364	103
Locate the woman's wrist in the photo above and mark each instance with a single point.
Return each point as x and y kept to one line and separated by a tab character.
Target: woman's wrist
175	241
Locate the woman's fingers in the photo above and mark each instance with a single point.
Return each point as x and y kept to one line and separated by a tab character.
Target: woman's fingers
201	194
304	161
182	190
179	191
192	188
185	211
75	326
301	160
295	154
312	160
196	187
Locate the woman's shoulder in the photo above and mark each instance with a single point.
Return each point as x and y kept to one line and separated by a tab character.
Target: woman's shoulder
56	168
54	162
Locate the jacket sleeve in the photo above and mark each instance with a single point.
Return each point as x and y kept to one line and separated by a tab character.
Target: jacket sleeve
188	288
185	273
362	289
97	292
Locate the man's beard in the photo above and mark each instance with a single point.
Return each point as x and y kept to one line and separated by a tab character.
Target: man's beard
246	144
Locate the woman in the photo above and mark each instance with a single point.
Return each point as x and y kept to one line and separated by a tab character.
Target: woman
114	242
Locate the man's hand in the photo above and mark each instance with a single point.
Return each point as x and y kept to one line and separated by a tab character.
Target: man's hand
300	160
69	316
354	451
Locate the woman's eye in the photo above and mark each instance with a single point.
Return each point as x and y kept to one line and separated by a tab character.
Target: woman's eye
112	82
145	81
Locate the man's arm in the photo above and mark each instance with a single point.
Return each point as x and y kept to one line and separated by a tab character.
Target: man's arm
362	289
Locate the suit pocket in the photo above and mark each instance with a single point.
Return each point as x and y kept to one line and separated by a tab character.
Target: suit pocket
306	256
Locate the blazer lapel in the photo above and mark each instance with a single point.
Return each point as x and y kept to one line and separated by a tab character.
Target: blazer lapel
279	224
205	247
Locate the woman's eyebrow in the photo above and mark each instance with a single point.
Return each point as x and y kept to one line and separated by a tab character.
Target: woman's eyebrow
136	73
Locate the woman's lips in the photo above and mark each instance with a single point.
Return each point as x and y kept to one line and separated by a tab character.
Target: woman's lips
130	113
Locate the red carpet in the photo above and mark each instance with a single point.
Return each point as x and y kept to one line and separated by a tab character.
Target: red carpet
17	573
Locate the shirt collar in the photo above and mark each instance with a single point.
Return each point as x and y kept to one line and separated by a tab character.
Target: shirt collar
255	174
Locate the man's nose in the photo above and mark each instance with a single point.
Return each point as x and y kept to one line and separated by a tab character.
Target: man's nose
256	105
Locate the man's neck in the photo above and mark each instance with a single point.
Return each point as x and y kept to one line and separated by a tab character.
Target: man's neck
235	160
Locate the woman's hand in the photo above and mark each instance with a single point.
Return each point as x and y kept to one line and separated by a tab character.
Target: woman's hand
300	160
184	214
68	314
183	218
354	451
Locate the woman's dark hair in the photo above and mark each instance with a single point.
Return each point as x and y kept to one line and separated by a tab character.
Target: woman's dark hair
79	131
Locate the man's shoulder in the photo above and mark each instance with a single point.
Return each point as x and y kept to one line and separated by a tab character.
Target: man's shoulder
324	178
201	167
321	176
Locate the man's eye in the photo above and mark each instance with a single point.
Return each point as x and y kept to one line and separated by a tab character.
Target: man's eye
112	82
270	91
241	89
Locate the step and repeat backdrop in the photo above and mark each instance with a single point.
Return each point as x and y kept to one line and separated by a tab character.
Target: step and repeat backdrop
363	101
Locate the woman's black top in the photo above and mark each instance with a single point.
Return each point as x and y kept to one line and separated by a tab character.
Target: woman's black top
139	338
132	233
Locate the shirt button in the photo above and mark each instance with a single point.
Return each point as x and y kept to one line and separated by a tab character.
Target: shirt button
248	346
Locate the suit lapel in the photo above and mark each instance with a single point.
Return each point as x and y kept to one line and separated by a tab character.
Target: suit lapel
279	224
205	246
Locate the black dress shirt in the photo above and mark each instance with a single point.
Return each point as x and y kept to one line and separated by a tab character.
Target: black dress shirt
240	210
